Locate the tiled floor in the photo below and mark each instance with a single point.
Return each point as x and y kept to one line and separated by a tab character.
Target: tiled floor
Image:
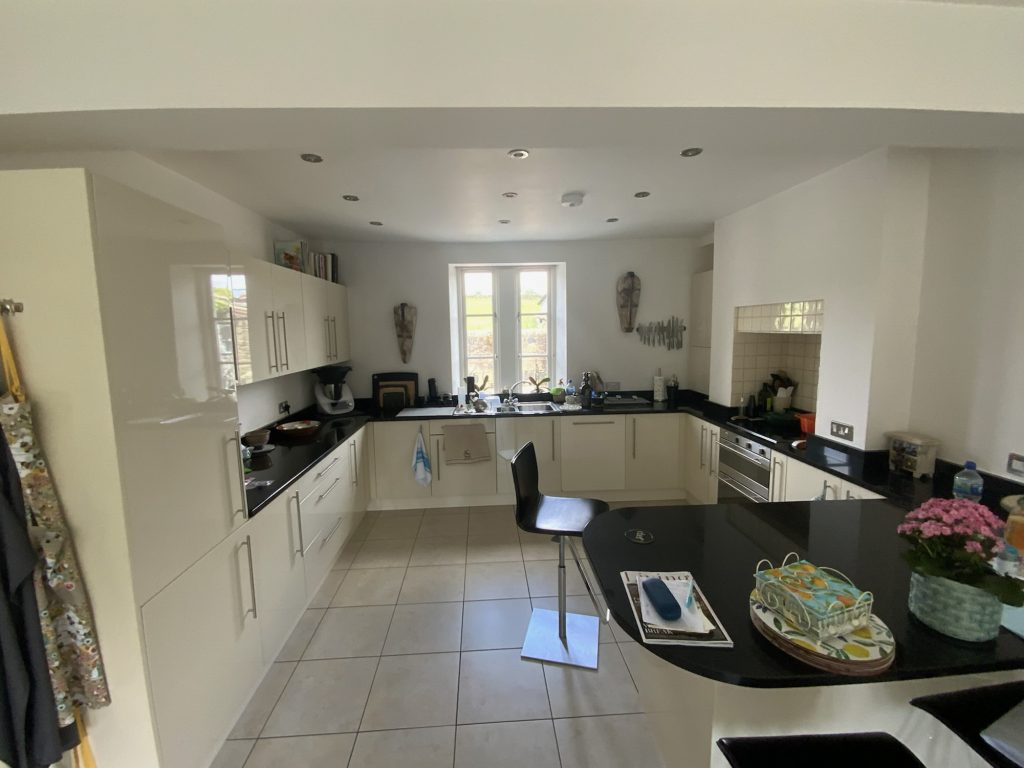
409	656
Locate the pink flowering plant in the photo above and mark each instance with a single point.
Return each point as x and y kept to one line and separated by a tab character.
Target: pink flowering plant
957	539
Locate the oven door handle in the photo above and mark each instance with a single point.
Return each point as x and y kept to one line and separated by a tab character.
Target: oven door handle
741	490
761	461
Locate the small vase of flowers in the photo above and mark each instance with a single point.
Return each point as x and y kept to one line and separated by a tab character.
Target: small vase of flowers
953	588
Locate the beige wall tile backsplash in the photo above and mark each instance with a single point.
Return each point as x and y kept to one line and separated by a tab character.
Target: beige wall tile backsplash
756	355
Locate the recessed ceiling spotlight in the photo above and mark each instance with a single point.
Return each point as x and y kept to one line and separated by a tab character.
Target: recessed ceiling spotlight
612	220
691	151
519	154
504	221
351	198
309	157
376	223
641	194
510	195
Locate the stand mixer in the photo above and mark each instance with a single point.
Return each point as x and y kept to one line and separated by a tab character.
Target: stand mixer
333	396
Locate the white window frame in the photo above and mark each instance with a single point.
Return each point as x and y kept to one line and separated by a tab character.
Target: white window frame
507	322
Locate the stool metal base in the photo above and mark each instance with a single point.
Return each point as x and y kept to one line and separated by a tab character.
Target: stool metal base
580	648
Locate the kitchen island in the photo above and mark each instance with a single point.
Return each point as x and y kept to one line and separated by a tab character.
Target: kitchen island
696	695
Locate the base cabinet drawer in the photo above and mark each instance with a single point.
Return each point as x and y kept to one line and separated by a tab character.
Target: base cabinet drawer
592	453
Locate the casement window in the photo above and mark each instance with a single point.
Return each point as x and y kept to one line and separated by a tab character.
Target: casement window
507	325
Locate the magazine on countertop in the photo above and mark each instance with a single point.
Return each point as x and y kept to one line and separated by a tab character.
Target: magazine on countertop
697	626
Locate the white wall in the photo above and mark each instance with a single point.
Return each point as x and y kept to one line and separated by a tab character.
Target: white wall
857	53
819	240
381	275
969	371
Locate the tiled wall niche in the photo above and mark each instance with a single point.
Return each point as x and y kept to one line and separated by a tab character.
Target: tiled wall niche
793	345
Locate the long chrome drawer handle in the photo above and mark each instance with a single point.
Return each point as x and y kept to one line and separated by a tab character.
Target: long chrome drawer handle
323	495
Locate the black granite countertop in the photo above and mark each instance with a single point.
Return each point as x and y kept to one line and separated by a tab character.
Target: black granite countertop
721	545
291	458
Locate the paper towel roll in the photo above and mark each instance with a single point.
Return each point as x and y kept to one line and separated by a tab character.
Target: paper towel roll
659	389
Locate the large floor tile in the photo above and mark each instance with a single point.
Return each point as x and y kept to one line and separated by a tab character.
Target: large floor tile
425	628
347	555
395	528
538	546
455	524
493	581
576	692
499	685
507	745
302	751
365	526
607	742
493	550
346	632
494	624
413	691
296	644
433	584
323	697
369	586
487	523
542	576
262	702
447	550
324	595
494	509
577	604
384	553
415	747
233	754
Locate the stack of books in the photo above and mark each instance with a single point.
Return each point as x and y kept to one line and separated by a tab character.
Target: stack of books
295	254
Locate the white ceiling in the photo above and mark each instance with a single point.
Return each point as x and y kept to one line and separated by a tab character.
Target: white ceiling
438	175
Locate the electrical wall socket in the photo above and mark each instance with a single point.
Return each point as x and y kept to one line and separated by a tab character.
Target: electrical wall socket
284	407
1015	464
842	431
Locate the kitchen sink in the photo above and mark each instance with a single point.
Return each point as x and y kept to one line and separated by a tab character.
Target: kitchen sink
536	408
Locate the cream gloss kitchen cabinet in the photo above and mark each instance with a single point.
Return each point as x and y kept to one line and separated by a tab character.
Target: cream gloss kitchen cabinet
325	310
699	446
652	452
460	480
592	453
848	490
337	316
793	480
513	432
393	444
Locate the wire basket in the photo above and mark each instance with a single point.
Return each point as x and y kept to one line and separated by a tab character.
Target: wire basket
820	601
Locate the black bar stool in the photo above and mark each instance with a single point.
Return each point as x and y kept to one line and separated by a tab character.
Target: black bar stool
968	713
576	641
835	750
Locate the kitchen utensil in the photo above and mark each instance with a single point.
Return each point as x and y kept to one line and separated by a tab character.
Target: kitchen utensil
256	438
301	428
806	423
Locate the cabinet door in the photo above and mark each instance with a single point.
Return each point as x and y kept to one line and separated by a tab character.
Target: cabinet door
848	490
711	489
593	458
337	310
280	576
393	445
804	482
316	321
777	482
360	448
652	452
697	445
162	277
288	318
204	653
544	432
252	309
450	480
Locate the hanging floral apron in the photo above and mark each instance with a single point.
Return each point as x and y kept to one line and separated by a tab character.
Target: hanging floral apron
69	633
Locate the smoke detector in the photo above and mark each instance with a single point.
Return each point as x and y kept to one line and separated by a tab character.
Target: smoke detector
572	199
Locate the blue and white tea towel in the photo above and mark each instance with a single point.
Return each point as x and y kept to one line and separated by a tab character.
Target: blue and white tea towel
421	462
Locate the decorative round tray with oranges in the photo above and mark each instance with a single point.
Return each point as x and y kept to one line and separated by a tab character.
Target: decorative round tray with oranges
867	650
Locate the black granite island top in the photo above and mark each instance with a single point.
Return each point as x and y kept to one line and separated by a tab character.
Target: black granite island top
721	544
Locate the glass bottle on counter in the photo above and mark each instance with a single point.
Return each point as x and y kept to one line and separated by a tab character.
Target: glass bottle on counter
586	390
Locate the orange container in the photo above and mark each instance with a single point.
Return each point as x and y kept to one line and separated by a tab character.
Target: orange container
806	423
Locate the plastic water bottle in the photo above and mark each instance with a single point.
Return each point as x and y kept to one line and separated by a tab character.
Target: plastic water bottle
967	483
570	389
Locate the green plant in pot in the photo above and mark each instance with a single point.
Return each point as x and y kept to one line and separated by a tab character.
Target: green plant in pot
953	588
